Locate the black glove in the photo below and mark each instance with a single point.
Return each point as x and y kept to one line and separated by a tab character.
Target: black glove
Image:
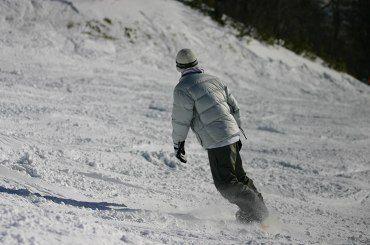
239	145
180	151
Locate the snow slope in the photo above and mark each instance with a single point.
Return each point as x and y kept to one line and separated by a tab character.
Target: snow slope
85	131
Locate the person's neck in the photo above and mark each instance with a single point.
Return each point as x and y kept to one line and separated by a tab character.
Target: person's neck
191	70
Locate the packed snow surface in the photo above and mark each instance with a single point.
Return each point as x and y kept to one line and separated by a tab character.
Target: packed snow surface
86	153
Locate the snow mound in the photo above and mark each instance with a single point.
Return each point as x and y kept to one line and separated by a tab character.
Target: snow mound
86	154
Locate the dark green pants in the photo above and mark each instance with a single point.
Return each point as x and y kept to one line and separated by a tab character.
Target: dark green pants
232	182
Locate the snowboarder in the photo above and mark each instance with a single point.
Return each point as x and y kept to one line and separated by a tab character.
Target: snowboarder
203	103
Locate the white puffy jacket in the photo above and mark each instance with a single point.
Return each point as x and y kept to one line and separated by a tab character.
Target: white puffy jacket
204	104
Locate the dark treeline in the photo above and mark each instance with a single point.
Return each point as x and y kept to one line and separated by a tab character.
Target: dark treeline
335	30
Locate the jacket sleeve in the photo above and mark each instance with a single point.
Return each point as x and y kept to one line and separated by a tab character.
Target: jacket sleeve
231	101
182	114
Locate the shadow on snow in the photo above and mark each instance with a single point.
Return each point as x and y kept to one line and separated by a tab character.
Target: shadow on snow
91	205
60	200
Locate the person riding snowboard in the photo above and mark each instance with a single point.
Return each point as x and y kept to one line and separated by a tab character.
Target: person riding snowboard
204	103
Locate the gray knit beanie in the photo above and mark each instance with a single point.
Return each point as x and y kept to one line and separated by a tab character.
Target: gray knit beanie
185	58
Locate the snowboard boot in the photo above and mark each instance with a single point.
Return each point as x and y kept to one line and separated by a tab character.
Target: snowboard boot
244	217
249	217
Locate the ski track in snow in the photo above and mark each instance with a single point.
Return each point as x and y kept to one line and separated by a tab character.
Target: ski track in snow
85	119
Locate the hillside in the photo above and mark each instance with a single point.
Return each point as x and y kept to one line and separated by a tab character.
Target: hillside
86	153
